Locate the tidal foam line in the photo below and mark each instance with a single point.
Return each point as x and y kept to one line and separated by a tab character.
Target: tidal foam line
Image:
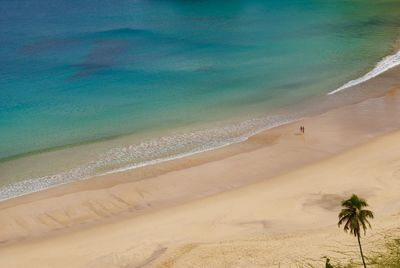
385	64
150	152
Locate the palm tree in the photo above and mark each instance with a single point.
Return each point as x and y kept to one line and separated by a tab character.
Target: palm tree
354	217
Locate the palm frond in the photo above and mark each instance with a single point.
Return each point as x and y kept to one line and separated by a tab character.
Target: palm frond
353	216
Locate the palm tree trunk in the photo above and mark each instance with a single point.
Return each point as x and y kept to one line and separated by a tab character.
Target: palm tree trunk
362	255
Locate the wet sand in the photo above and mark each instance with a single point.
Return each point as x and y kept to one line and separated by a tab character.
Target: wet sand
225	207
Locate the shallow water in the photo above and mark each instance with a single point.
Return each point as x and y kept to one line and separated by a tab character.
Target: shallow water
153	80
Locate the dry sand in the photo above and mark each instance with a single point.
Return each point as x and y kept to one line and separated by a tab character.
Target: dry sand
286	220
272	200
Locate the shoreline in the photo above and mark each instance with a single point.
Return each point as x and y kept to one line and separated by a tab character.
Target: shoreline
156	187
191	211
35	184
385	64
242	226
357	93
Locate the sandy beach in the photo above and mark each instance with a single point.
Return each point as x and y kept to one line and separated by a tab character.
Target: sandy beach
199	134
271	201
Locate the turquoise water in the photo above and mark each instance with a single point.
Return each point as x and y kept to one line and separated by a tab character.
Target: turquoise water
73	73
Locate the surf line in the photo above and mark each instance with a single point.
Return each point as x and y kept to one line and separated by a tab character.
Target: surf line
382	66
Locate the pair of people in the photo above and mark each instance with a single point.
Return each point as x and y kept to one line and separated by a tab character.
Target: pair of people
302	129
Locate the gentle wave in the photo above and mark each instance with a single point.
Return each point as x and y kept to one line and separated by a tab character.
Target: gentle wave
382	66
150	152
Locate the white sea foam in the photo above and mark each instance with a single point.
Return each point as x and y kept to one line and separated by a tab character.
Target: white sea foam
385	64
167	148
150	152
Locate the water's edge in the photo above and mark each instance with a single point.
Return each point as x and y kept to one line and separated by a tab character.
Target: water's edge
382	66
154	151
129	154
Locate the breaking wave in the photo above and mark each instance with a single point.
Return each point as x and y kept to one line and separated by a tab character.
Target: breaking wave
382	66
149	152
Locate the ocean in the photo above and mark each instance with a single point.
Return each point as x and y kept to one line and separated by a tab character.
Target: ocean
92	87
